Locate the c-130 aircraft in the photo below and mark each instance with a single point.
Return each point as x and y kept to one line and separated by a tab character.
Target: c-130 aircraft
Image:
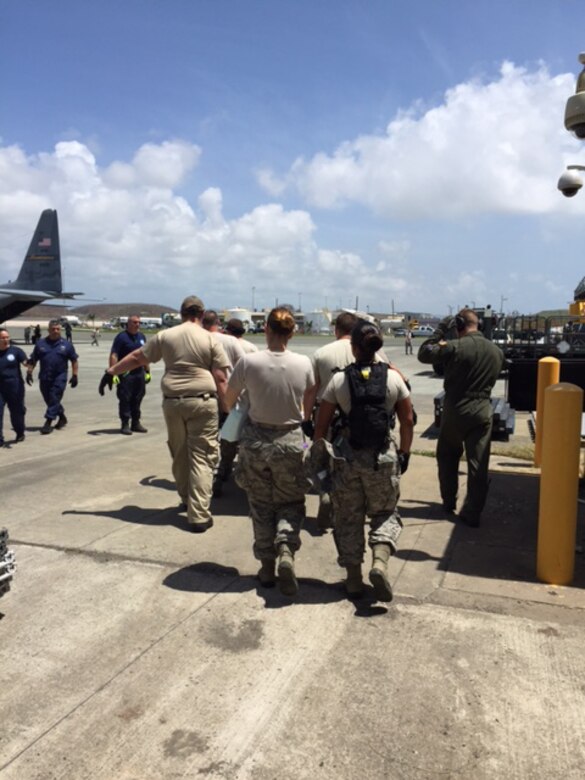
39	279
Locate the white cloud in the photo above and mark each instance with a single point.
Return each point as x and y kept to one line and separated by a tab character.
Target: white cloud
494	147
124	229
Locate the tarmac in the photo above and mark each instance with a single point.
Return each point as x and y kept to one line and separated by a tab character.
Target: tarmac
132	649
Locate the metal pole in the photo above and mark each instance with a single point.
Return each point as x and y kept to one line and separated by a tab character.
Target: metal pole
559	484
549	372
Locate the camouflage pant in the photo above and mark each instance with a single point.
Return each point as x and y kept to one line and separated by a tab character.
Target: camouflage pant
359	489
270	470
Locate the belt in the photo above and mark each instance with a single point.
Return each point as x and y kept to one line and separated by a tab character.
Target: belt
289	427
198	395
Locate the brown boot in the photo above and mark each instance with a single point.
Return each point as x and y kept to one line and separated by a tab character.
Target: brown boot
266	573
379	573
354	583
286	571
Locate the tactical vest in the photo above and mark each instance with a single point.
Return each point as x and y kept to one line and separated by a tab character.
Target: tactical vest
368	418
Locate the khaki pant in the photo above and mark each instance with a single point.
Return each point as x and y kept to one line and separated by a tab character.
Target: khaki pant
192	430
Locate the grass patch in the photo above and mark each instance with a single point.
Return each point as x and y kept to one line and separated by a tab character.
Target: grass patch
501	449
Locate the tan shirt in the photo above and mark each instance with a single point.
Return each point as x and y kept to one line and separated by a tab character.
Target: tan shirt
276	383
337	391
247	346
231	346
189	353
337	354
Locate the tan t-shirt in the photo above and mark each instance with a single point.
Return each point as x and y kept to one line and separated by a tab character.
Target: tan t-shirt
337	354
275	383
189	353
247	346
338	392
231	346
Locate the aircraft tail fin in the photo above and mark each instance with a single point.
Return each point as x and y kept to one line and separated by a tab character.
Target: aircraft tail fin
41	269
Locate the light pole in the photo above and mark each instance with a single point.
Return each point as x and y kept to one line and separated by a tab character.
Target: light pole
253	299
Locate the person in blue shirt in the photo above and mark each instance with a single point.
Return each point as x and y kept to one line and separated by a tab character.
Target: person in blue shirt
11	385
53	353
131	386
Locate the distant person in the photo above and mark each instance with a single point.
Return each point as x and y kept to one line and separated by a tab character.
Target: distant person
131	386
231	345
367	463
36	333
68	331
27	333
193	382
471	366
235	327
229	449
408	341
234	350
53	353
95	337
270	463
11	385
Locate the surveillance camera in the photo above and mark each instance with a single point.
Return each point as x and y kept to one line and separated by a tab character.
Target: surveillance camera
570	183
575	114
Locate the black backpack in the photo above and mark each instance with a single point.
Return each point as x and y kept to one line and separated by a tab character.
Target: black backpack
368	419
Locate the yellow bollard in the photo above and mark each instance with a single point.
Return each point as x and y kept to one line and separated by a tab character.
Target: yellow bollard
549	371
559	488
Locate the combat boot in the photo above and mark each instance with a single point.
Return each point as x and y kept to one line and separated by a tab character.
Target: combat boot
47	428
125	429
137	427
379	573
61	422
286	571
354	583
266	573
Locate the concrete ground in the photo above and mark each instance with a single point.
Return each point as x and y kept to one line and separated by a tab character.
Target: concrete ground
133	649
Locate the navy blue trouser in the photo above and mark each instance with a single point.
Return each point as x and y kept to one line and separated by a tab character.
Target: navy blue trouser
52	391
12	396
130	392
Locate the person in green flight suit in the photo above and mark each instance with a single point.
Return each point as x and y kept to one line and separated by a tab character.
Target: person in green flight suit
471	367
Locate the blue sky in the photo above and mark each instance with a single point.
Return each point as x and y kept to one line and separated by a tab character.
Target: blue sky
402	152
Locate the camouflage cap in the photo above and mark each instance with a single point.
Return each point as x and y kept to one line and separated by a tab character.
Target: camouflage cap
191	303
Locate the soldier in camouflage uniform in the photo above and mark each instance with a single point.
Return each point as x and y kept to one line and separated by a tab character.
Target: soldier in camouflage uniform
471	365
270	463
366	481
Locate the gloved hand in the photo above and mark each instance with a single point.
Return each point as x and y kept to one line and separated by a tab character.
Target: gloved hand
29	379
147	378
403	460
308	429
106	381
74	381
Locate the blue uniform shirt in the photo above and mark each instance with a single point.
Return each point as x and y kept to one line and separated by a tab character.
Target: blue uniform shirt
53	357
10	360
125	343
